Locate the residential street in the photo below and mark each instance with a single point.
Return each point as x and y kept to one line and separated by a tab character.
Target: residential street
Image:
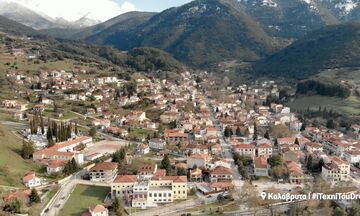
226	154
63	194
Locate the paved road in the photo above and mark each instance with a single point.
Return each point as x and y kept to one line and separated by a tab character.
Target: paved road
227	151
170	209
15	125
59	200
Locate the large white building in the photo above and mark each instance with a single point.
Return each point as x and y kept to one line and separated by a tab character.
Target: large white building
103	172
64	151
335	170
142	193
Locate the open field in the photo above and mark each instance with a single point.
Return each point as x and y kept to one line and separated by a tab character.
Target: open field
350	105
348	74
12	166
226	206
24	64
82	198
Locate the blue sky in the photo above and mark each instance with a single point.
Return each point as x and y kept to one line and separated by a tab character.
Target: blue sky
154	5
101	10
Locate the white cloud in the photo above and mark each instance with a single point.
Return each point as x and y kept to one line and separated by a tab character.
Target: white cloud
72	10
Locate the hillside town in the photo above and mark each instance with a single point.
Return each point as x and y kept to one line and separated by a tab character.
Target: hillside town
161	146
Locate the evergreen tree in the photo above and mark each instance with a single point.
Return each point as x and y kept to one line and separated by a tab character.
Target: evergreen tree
92	132
297	141
255	135
27	150
238	132
50	143
42	125
181	172
303	126
119	155
267	135
276	143
34	196
165	164
118	207
76	129
228	132
49	133
330	124
71	167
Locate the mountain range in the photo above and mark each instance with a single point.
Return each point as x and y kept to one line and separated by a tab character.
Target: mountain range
198	34
23	15
336	46
294	38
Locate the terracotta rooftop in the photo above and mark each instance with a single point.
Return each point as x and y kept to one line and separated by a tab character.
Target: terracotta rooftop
178	179
98	209
221	171
105	166
125	179
29	176
260	162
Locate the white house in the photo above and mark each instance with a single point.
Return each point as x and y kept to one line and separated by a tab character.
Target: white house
352	156
157	144
30	180
99	210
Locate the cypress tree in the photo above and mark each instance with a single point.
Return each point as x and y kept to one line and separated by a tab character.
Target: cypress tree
34	196
165	164
76	129
42	125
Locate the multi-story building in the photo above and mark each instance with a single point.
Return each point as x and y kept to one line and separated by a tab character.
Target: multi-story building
176	137
336	146
198	160
296	174
335	170
245	149
143	193
103	172
264	150
312	147
64	151
220	174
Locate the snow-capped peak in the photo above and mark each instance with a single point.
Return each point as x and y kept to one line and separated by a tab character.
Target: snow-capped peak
346	6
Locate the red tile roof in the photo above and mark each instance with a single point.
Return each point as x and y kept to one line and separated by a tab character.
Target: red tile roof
260	162
105	166
98	209
29	176
221	171
17	195
125	179
178	179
